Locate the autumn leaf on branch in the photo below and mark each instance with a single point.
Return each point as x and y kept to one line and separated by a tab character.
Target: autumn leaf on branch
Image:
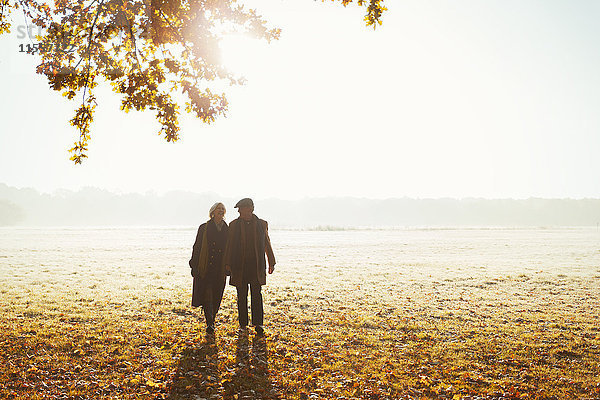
375	9
149	51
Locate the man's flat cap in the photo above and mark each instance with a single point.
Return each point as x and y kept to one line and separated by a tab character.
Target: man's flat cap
246	202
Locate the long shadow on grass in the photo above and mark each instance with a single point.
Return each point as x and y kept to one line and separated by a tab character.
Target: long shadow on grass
250	380
197	372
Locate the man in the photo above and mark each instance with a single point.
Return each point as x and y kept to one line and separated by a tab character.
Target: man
247	243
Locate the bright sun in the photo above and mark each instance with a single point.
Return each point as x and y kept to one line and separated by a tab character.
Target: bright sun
236	52
242	54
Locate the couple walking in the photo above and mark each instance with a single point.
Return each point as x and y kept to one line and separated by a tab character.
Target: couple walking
237	250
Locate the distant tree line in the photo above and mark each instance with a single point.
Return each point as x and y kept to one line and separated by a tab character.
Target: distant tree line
92	206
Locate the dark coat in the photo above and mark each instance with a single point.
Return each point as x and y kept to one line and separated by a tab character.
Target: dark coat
234	254
215	272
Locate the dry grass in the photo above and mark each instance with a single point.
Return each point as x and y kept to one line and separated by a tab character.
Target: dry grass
396	315
514	337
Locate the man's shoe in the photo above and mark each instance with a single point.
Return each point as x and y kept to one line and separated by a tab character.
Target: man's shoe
259	330
242	329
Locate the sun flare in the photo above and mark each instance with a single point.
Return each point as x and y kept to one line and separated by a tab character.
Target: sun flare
237	52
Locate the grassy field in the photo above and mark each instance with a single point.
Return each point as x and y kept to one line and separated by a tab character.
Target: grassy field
530	336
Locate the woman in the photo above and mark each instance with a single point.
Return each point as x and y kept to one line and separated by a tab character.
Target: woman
207	265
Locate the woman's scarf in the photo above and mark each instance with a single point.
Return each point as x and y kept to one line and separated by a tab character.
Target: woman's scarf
203	259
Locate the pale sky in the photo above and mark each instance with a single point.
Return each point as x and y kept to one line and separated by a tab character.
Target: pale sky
492	99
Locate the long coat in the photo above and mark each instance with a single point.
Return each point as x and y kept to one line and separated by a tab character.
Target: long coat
234	253
215	269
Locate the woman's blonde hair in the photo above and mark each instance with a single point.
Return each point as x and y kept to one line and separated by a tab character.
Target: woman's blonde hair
214	207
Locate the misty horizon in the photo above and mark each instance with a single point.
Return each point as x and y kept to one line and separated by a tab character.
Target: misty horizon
102	207
160	193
